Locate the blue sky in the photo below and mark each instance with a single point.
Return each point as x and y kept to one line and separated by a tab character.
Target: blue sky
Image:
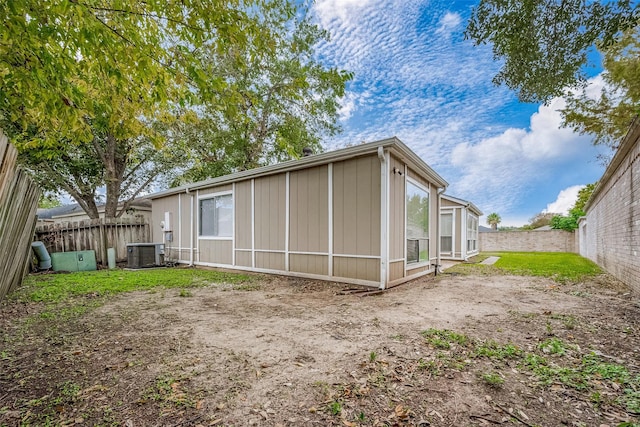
418	79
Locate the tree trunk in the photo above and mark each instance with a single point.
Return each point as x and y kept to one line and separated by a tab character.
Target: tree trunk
115	161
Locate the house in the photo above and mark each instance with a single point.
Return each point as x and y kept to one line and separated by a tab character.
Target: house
366	214
139	210
458	228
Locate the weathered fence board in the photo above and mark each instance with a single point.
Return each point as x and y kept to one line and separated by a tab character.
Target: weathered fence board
18	204
97	234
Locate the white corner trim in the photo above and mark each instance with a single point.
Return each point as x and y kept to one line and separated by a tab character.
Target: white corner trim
330	217
287	220
253	223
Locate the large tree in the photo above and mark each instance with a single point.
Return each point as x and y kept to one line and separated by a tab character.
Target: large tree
57	57
276	101
607	115
545	44
87	83
96	93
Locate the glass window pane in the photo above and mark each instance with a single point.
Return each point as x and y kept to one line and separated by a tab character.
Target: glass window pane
224	216
206	217
446	232
417	209
216	216
446	244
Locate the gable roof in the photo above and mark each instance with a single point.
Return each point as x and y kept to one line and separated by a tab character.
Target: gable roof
473	208
397	147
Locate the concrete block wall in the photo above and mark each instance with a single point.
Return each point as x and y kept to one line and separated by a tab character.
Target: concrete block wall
610	236
528	241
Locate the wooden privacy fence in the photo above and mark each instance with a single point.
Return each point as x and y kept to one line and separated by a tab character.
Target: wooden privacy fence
18	204
96	234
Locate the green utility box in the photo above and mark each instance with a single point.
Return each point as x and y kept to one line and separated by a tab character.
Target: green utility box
74	261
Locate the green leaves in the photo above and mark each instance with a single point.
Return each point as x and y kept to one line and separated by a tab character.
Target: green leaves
276	99
493	219
608	115
63	60
544	44
568	223
112	94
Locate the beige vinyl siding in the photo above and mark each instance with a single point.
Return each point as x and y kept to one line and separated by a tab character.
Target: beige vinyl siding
269	214
243	259
309	211
309	264
270	260
242	216
182	228
356	207
215	251
158	208
448	203
423	181
396	211
417	270
357	268
212	190
184	254
396	270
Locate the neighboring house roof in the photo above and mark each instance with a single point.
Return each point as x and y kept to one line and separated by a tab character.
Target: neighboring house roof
396	146
56	211
484	229
543	228
75	209
473	208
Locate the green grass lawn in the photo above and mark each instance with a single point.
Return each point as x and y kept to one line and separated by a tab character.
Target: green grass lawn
559	266
54	288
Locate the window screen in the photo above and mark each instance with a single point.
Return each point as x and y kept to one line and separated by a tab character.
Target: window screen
446	232
216	216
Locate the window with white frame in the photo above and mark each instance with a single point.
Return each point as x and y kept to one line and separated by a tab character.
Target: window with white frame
216	216
417	209
472	233
446	232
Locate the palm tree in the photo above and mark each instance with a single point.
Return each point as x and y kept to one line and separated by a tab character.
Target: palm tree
493	219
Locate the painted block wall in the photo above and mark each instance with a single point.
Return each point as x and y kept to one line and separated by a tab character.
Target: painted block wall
610	236
528	241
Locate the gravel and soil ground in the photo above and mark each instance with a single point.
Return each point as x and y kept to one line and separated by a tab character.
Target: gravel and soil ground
456	350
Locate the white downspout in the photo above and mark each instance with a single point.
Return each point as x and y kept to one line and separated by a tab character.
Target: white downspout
190	228
438	241
384	217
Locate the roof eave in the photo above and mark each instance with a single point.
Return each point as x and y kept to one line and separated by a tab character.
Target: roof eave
314	160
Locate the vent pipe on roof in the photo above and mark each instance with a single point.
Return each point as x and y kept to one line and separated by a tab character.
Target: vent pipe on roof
307	151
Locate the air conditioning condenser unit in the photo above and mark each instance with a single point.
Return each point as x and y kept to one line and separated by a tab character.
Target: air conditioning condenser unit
143	255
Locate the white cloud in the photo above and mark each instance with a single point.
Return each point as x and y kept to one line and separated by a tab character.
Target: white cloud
343	10
449	23
496	171
347	106
417	78
565	200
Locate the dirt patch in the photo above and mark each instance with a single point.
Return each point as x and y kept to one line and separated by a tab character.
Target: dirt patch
456	350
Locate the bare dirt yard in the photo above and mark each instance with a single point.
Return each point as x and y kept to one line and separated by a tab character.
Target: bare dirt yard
456	350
